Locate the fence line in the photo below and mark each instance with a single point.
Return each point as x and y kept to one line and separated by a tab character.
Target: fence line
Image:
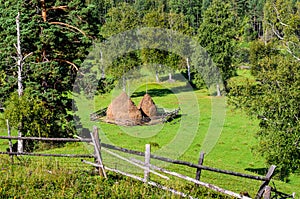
146	165
50	154
47	139
139	153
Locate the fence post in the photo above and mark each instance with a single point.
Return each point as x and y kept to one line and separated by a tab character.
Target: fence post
200	162
265	183
267	193
97	151
9	141
147	162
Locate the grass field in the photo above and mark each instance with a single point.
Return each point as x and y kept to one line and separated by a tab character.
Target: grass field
182	138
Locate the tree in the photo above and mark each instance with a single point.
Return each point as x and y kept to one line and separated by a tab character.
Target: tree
217	35
120	19
273	95
282	19
58	34
274	98
256	15
190	11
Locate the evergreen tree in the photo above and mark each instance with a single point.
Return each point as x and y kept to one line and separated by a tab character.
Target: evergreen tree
57	34
217	35
190	10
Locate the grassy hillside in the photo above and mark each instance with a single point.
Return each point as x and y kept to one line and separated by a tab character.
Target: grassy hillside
69	178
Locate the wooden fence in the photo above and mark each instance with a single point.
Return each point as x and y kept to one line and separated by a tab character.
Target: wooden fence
264	191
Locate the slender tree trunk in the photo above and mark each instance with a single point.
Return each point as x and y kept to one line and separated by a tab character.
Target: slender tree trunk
20	84
189	69
124	83
170	77
218	90
156	76
102	66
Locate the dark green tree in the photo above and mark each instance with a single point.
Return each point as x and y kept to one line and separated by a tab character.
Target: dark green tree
273	94
191	11
274	99
119	19
57	35
217	35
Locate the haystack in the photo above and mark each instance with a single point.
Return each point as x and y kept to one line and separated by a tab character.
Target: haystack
123	111
147	106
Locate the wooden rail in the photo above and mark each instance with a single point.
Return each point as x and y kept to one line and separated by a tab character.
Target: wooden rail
263	191
139	153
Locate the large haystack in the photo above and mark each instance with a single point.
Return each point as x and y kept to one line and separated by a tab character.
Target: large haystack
123	111
147	106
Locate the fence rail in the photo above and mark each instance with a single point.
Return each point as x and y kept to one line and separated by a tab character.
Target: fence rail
263	191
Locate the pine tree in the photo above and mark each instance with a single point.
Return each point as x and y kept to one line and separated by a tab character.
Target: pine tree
58	35
217	35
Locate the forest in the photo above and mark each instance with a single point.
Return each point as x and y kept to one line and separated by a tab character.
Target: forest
44	44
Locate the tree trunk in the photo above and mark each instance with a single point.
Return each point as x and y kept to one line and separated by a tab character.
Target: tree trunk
20	84
218	90
124	83
170	77
189	69
102	66
156	76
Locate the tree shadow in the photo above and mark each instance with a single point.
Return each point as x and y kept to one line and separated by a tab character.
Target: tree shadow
259	171
154	92
160	92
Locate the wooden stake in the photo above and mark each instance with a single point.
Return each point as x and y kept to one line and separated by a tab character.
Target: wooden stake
147	162
135	162
9	141
200	162
97	148
267	193
266	182
20	80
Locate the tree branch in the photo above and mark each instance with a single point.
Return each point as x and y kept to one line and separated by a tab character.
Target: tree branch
68	26
68	62
277	13
27	55
275	32
58	8
44	10
291	52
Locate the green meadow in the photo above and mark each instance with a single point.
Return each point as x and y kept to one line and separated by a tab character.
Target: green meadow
206	123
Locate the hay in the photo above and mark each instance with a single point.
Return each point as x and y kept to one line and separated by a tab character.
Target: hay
147	106
123	111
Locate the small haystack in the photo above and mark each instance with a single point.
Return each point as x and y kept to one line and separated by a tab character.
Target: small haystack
147	106
123	111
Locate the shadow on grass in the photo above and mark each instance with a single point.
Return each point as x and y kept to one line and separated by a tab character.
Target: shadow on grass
259	171
154	92
160	92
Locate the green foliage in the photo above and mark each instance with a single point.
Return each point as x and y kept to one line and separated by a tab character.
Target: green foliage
57	45
282	21
273	94
274	98
190	10
217	35
31	115
258	51
105	85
